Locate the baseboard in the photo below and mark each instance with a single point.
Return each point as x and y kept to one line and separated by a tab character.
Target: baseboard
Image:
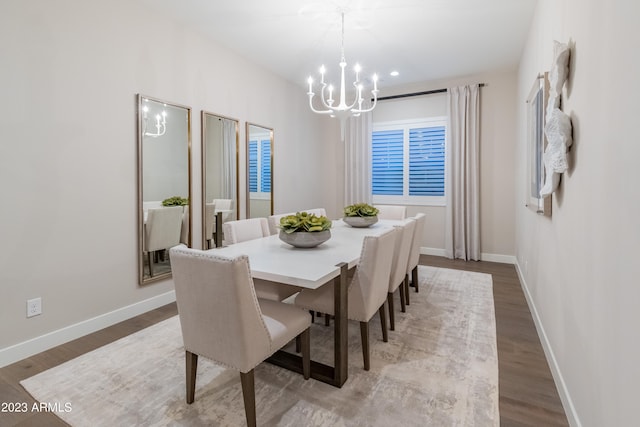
432	251
563	391
39	344
504	259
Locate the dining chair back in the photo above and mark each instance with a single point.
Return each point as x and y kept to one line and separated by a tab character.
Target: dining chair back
162	230
221	318
391	212
397	278
245	229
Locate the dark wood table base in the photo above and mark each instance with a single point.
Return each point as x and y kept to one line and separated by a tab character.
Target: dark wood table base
334	375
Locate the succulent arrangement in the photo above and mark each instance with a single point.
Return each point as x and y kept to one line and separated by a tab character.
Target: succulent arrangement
360	209
304	221
175	201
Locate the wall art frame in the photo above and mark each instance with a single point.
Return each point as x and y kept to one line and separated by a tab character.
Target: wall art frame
536	145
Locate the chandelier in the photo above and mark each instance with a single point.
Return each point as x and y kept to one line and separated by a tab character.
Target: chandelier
343	110
161	122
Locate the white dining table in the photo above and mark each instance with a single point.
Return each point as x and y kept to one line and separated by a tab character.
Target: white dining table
272	259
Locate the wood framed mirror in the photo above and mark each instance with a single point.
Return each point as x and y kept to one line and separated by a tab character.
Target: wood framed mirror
259	170
164	184
220	194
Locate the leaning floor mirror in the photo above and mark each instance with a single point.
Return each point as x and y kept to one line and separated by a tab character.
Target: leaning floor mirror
259	171
164	184
219	175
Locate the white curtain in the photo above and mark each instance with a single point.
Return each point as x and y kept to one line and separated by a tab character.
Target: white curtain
462	227
228	159
357	163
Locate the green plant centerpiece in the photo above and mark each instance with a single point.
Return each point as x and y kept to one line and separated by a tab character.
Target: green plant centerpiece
304	230
175	201
360	215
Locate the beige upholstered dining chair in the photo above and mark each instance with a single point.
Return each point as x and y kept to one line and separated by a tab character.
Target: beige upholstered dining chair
274	220
255	228
391	212
162	231
414	255
224	205
223	320
398	276
367	291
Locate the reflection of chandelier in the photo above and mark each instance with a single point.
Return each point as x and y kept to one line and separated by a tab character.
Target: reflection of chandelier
342	111
161	122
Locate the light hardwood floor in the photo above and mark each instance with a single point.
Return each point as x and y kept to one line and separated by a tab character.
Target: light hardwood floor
528	395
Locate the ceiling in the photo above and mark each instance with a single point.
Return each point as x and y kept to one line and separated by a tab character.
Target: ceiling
423	40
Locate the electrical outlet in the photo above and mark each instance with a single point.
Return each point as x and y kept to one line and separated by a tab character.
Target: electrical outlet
34	307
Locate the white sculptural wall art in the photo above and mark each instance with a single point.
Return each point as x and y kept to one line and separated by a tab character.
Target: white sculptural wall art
558	127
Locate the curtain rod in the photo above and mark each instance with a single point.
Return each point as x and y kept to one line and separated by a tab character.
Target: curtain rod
426	92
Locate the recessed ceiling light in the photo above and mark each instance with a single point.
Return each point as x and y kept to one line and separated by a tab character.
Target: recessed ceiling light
394	73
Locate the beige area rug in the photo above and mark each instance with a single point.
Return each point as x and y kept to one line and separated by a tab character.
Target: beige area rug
439	368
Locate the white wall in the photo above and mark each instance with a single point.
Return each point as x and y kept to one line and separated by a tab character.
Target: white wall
70	72
579	266
497	134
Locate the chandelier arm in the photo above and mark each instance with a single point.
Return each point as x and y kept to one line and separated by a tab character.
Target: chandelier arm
311	95
375	101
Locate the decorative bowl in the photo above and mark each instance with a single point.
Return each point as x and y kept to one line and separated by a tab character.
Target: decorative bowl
360	221
305	239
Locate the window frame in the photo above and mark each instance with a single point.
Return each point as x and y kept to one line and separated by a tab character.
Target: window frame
406	125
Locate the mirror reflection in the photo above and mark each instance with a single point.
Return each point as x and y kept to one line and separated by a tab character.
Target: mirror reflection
164	184
219	175
259	171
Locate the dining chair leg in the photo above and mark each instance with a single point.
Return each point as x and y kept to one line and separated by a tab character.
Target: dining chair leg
191	369
364	335
313	316
383	323
305	338
327	319
150	264
403	299
414	278
392	316
406	290
249	396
